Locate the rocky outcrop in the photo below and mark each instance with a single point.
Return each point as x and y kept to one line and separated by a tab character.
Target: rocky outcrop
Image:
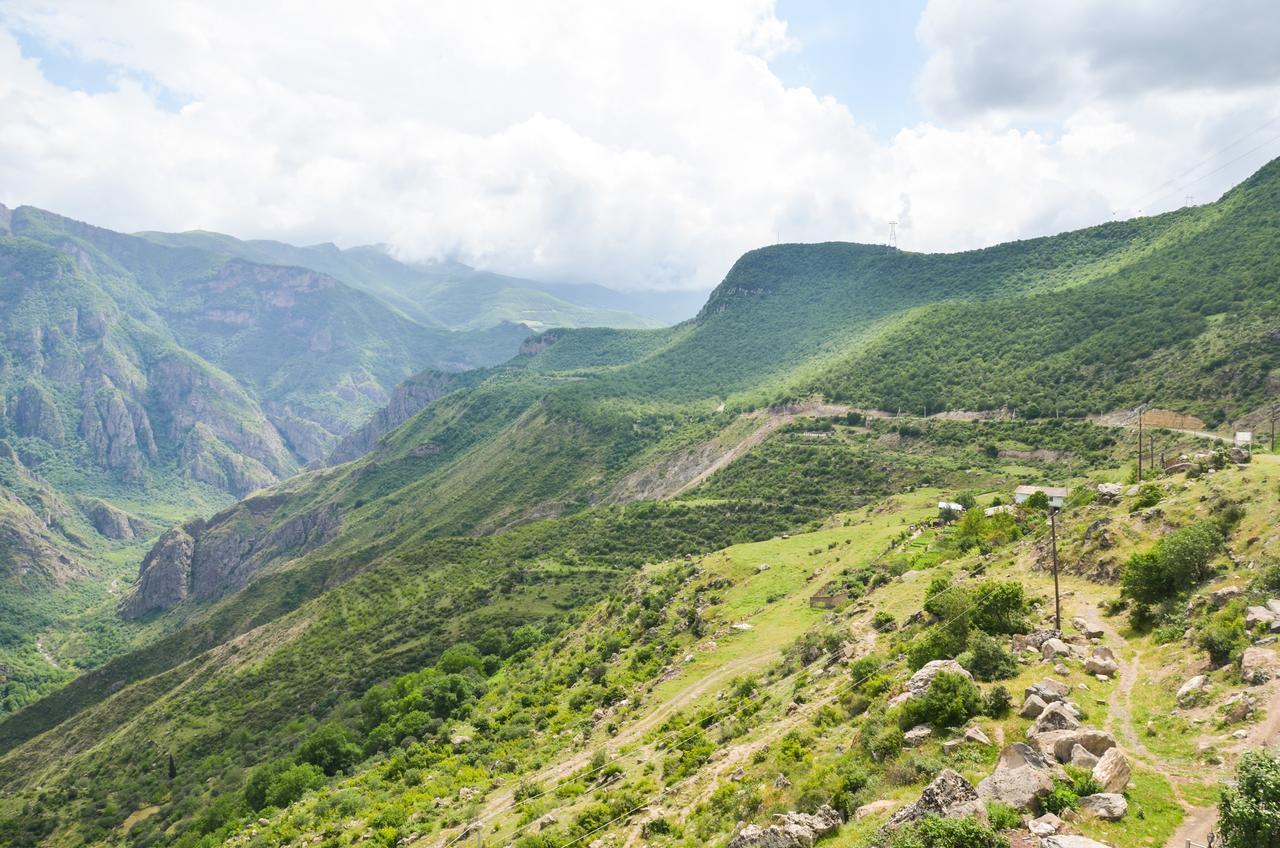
36	416
207	560
409	398
163	581
112	522
948	796
116	429
792	830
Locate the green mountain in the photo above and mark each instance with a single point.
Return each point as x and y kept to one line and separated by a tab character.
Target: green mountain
513	511
452	295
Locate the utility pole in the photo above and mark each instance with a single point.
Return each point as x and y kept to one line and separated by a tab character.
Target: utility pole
1139	444
893	233
1057	602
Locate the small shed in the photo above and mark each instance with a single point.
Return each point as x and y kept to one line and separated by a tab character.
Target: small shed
1057	494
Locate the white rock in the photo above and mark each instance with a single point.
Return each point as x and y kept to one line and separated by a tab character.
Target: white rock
917	736
1046	825
1193	687
1108	806
1112	771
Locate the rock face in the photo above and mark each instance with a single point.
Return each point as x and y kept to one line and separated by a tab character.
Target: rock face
1257	665
1021	777
36	416
207	560
793	830
163	578
1112	771
111	522
408	399
948	796
1108	806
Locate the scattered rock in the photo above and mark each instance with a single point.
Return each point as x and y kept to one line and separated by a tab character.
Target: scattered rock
1239	707
764	566
1112	771
1102	662
1032	707
1108	806
1049	690
792	830
1034	641
1258	616
1071	842
1257	665
1225	595
917	736
1090	629
1056	716
1096	742
975	735
1046	825
1021	777
948	796
1054	648
1081	758
1189	691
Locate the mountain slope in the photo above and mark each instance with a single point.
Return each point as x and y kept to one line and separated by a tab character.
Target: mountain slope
528	479
449	294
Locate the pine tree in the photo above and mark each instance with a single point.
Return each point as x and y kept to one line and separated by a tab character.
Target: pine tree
173	769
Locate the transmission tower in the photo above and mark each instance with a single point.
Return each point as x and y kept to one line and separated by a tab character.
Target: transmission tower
893	233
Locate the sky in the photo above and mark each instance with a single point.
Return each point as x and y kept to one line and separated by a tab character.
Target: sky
641	145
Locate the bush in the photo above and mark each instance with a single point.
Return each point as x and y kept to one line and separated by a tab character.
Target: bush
997	703
292	783
933	832
1224	636
329	749
1148	496
987	659
952	700
1003	817
883	621
1063	797
1178	563
1249	813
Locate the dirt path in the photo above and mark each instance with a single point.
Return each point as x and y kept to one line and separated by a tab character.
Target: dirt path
773	419
633	732
45	655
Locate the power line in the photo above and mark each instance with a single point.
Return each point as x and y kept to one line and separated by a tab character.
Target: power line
1220	168
1205	161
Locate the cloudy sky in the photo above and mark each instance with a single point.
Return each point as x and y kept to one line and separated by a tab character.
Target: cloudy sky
637	144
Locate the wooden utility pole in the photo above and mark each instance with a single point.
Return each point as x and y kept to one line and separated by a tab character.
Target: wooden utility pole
1139	445
1053	535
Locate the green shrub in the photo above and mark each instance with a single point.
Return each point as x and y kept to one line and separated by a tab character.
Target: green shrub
988	659
997	702
1063	797
933	832
1177	564
952	700
1003	817
1224	636
1249	813
1148	496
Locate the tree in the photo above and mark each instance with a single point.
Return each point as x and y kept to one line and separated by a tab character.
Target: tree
1038	501
292	783
173	769
1249	814
329	749
987	658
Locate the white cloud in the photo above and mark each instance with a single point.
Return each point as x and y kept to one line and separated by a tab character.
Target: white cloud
639	144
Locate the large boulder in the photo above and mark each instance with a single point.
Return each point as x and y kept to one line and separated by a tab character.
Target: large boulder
1082	759
918	685
1258	616
1112	771
1096	742
1049	690
917	736
948	796
1102	661
1090	629
1056	716
1108	806
792	830
1258	665
1052	649
1046	825
1021	777
1032	707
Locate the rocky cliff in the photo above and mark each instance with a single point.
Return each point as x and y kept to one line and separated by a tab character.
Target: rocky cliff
409	398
